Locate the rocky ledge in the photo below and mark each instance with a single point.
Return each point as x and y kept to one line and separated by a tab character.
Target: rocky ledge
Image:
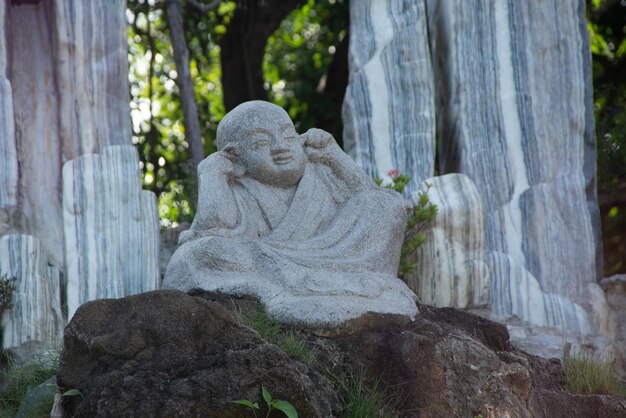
170	354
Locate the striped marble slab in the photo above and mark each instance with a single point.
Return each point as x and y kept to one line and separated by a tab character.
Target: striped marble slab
111	227
450	265
388	111
515	116
35	322
68	77
92	74
8	151
39	146
455	269
517	293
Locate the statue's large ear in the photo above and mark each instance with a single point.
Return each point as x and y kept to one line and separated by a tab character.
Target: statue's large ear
231	151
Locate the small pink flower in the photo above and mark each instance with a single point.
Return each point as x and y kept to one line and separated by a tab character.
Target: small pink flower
393	173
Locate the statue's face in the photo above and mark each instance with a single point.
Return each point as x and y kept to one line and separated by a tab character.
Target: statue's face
272	152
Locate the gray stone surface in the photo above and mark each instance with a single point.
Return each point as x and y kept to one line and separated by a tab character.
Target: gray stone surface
111	227
292	220
35	322
451	270
615	288
8	151
37	398
389	108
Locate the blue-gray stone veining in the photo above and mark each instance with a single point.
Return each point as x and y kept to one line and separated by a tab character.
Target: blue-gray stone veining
388	111
35	322
514	115
111	227
451	270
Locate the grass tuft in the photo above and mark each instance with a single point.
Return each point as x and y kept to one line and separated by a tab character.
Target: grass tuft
18	378
363	400
292	342
584	374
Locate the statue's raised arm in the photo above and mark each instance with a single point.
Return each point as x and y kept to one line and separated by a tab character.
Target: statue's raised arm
320	147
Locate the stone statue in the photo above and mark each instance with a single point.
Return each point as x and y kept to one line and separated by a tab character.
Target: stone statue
292	220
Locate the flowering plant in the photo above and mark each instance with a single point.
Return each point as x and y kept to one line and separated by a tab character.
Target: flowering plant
398	180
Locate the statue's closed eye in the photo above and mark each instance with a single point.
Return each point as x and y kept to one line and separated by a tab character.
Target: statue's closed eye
260	144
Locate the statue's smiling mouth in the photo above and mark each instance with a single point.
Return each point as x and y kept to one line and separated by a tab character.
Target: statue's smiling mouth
282	158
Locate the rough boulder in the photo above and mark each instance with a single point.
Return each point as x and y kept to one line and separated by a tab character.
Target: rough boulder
167	353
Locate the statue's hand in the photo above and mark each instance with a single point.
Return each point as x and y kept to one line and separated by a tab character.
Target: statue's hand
223	164
320	146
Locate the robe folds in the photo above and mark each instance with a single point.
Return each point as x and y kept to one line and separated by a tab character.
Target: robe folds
330	254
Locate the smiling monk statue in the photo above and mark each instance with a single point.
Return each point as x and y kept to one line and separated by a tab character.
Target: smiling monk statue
293	221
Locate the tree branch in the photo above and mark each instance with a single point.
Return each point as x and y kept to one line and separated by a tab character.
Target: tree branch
184	81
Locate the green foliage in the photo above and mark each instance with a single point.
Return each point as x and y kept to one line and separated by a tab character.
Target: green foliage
363	400
292	342
584	374
607	35
18	378
7	290
156	113
72	392
422	215
283	406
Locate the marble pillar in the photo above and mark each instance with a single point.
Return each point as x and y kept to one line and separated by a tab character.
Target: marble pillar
515	115
35	322
388	111
455	268
64	92
8	151
451	270
111	227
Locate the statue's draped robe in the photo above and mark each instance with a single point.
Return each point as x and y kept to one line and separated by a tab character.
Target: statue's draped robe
329	240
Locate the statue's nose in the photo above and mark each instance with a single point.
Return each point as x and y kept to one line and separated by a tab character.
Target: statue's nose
279	145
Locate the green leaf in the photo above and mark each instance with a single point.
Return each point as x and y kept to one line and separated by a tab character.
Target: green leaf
286	408
72	392
247	403
266	396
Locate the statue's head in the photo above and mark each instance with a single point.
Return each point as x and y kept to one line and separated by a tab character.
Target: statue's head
261	138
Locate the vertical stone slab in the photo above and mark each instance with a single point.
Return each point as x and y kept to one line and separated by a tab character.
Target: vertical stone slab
388	111
92	74
517	293
35	322
37	138
69	80
111	227
8	151
450	264
514	117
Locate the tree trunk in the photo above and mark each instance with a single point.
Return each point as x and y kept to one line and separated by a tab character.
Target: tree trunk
243	47
184	82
